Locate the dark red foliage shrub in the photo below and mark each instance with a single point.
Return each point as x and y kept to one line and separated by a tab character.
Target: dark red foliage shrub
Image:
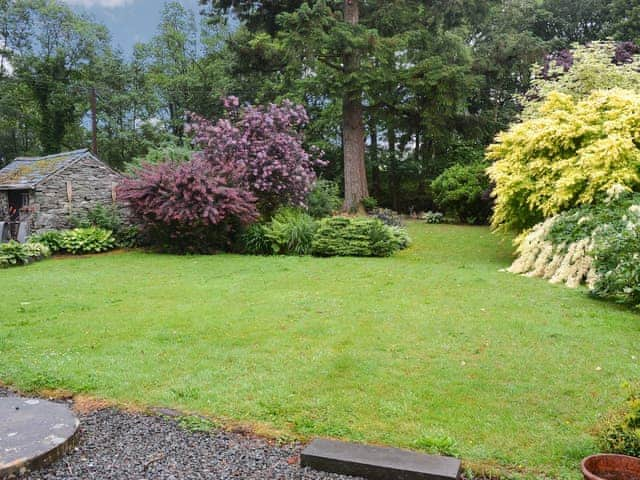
188	206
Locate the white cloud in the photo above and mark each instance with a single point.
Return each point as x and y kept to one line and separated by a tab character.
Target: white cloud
99	3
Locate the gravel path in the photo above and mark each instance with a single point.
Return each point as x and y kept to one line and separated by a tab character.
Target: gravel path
120	445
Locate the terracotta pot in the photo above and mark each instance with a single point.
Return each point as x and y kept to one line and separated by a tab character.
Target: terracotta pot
611	467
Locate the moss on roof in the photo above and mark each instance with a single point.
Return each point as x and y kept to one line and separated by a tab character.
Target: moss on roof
29	172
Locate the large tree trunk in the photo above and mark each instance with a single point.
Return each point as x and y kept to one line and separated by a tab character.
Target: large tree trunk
355	174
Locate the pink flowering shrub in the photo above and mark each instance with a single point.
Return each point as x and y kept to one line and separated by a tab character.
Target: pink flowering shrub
251	162
263	146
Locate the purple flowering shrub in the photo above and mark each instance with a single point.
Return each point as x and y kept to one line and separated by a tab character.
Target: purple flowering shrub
264	147
251	162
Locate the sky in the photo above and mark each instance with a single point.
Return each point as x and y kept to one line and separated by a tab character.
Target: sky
130	21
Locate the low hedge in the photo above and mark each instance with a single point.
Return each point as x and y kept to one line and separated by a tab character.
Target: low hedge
356	237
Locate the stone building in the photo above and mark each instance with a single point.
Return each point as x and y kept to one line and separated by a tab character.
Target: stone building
44	193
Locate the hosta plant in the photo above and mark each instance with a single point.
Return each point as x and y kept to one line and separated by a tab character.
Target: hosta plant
433	218
87	240
52	239
14	253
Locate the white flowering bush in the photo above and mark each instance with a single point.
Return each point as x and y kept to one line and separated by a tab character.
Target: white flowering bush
596	245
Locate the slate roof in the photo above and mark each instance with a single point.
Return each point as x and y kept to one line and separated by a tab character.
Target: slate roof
27	172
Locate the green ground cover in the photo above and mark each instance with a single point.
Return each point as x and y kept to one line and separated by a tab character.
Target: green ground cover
432	348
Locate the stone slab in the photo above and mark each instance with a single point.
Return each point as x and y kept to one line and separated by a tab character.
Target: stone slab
33	433
377	463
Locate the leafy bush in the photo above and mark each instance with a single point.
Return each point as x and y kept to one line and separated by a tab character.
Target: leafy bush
356	237
460	191
53	239
324	199
87	240
570	156
14	253
290	232
388	217
617	264
254	240
433	218
109	218
167	152
127	236
401	237
100	216
369	203
623	436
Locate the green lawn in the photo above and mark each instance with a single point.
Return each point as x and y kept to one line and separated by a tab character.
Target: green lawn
433	343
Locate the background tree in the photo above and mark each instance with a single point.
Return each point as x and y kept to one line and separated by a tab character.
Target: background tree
51	49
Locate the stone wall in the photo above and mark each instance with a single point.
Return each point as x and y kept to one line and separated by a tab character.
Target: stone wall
4	205
91	184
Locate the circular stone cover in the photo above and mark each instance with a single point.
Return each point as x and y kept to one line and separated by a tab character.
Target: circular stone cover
33	433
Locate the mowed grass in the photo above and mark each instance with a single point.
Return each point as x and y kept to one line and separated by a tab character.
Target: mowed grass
432	345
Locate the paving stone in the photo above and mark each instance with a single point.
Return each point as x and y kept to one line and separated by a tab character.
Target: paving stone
33	433
378	463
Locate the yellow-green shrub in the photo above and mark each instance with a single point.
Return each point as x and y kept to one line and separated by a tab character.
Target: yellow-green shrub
570	155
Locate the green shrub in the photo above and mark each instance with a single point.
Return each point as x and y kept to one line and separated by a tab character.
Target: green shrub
324	199
369	203
617	264
254	240
461	192
52	239
356	237
14	253
167	151
290	232
87	240
401	237
100	216
623	436
127	237
109	218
